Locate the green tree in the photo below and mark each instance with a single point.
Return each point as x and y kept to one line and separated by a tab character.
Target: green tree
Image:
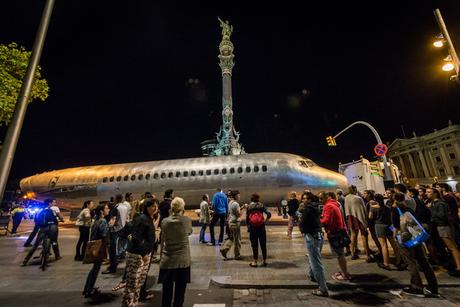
13	66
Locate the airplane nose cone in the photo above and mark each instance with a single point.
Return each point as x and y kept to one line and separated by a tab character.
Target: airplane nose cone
25	184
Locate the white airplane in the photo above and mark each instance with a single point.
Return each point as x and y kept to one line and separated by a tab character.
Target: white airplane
272	175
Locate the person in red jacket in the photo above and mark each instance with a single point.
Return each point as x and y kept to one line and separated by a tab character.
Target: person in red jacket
333	222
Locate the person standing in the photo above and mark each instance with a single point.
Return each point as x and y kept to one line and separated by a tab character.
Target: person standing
234	221
310	227
34	232
115	226
293	206
332	221
99	231
256	227
175	254
165	205
140	247
205	217
84	224
220	209
17	214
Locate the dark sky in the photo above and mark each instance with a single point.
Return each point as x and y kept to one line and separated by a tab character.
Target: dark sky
118	74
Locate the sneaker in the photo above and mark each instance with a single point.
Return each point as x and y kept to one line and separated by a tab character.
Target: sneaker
428	294
108	272
318	292
413	292
211	243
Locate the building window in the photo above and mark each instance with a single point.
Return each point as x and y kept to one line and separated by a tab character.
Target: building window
147	177
456	170
448	145
264	168
208	172
438	159
442	172
240	170
216	172
224	171
105	179
434	149
452	156
133	177
140	177
126	178
248	169
256	169
232	170
119	178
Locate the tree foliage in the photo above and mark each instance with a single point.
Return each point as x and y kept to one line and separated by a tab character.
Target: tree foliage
13	65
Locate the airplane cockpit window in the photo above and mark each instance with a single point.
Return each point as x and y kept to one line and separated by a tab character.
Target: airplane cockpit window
224	171
310	163
208	172
147	177
303	163
125	178
256	169
264	168
232	170
201	173
155	176
140	177
248	169
163	175
192	173
119	178
112	179
105	179
177	174
240	170
185	174
133	177
170	174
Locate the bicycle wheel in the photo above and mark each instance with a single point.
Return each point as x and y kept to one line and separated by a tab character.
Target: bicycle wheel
44	254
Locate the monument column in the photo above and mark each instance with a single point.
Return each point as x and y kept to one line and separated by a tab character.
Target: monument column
412	165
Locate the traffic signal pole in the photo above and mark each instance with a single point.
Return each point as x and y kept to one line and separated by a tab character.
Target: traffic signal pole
14	129
388	179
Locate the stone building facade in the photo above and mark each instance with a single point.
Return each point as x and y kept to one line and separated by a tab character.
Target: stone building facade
431	157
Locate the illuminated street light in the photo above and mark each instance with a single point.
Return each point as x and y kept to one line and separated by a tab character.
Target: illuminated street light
448	66
438	44
453	62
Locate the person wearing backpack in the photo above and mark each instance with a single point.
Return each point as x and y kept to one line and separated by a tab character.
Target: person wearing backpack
256	227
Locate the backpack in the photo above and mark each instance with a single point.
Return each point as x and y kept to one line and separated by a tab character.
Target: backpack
256	218
46	217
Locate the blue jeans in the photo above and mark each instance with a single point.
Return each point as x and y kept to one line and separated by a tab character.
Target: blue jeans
314	244
91	279
203	232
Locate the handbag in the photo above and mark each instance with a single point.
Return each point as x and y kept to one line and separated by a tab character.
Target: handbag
96	250
339	239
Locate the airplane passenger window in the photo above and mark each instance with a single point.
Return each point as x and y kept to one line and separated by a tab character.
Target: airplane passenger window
264	168
208	172
201	173
170	174
232	170
163	175
216	172
192	173
240	170
119	178
140	177
224	171
185	174
256	169
248	169
177	174
126	178
111	179
105	179
147	177
155	176
133	177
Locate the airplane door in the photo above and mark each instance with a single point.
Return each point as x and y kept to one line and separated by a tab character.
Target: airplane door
283	179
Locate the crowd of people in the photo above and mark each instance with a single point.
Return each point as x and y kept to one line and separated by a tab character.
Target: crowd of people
134	230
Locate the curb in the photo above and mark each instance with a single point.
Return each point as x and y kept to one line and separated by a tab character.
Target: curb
228	282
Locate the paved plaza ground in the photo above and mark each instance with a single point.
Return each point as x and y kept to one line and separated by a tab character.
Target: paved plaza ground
214	281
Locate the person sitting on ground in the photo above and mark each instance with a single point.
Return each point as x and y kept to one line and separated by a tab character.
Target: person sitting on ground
256	227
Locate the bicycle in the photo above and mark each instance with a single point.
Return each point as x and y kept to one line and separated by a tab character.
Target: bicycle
46	244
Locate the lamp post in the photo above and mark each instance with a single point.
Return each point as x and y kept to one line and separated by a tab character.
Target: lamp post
388	179
14	129
450	45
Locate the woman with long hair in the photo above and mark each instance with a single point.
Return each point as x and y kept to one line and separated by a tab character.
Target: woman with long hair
84	224
99	230
256	228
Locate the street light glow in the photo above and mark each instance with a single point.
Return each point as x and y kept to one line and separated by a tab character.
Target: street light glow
448	67
438	44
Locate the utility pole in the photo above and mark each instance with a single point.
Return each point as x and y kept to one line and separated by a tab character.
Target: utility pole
450	45
14	129
388	179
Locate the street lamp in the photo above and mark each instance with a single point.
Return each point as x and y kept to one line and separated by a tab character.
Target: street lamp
439	42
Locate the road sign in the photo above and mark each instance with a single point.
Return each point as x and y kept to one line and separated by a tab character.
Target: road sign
380	149
331	141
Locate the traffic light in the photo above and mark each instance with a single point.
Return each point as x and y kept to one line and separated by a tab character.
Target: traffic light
331	141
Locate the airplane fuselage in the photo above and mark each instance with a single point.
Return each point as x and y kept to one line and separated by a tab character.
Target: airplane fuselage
272	175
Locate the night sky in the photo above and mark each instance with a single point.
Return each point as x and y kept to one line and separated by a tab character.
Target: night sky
118	73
